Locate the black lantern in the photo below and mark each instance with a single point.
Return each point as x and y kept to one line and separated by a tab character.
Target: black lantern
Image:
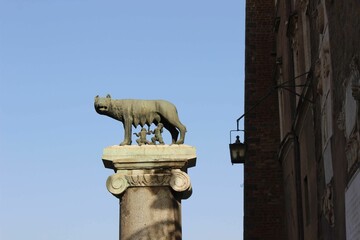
237	150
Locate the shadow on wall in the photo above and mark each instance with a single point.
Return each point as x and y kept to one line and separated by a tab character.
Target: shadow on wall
168	230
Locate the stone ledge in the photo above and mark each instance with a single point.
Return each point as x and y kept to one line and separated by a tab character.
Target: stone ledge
132	157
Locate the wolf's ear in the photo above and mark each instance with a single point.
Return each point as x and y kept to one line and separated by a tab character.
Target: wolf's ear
97	96
108	96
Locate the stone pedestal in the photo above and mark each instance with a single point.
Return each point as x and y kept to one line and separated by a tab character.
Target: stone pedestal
150	181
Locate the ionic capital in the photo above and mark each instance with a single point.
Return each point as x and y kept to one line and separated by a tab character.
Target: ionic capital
178	180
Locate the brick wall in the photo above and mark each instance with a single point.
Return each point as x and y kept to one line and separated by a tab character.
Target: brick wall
263	189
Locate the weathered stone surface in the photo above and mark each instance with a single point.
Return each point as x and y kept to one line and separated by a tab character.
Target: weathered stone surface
150	213
150	181
149	157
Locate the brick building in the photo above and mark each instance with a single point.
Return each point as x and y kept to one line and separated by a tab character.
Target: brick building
302	72
263	194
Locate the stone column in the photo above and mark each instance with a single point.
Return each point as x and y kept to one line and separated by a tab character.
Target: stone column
150	181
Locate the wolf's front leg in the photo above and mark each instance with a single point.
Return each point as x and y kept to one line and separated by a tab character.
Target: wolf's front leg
127	133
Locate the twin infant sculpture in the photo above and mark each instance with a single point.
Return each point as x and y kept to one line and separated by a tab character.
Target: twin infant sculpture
133	112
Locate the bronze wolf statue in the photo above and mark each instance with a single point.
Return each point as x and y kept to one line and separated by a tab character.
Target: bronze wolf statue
140	112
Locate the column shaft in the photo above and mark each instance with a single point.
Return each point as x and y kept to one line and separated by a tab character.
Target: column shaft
150	213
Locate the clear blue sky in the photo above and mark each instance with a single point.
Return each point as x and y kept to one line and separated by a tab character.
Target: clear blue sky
56	55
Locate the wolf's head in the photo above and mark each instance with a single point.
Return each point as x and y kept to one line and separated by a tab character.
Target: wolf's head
102	105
